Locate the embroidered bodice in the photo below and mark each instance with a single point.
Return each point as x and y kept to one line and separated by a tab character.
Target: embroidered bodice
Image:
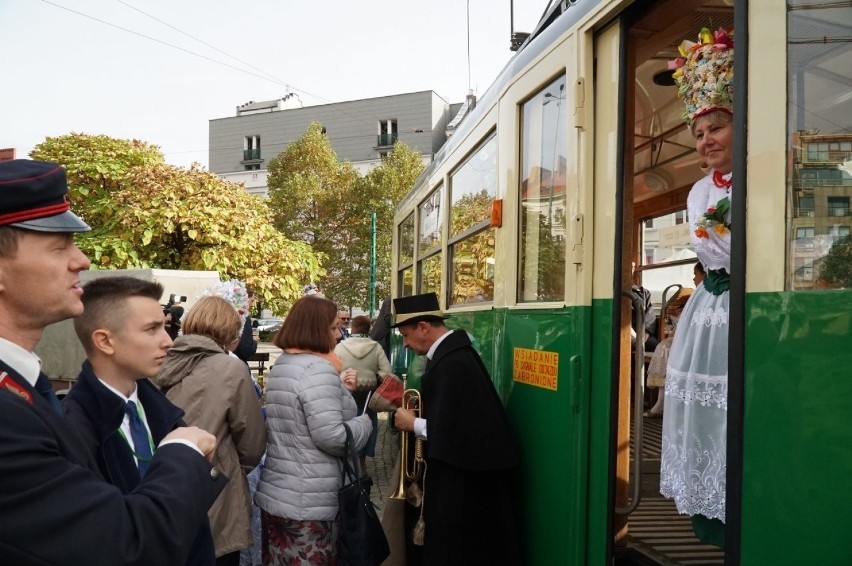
714	251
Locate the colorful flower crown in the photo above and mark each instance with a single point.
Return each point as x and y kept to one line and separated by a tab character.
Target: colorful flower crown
704	73
235	292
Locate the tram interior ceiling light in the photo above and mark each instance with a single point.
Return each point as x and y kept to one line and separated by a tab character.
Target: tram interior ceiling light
664	78
658	181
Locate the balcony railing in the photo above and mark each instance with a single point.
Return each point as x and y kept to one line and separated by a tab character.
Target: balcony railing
251	154
386	139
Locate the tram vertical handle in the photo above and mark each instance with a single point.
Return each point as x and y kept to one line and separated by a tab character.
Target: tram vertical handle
638	399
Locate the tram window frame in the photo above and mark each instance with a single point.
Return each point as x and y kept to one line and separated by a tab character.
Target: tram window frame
480	166
536	291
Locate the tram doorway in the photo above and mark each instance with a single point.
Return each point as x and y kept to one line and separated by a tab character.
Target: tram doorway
660	166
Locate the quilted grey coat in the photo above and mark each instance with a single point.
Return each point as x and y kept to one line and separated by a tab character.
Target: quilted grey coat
306	406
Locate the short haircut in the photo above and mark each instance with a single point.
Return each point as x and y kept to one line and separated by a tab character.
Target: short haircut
717	117
307	325
215	318
360	325
9	236
104	304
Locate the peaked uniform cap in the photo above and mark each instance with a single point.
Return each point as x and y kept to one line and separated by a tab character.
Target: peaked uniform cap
33	197
414	308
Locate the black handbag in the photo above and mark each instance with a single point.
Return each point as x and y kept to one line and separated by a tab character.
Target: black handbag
361	540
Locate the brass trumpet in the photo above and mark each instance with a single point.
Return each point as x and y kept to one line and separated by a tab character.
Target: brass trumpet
411	466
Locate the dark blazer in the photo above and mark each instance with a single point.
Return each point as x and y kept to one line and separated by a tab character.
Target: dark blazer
247	346
470	484
55	507
467	424
97	413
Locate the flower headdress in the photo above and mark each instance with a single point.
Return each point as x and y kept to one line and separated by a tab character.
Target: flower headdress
235	292
704	73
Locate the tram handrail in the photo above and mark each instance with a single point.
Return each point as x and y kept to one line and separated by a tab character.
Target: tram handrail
638	399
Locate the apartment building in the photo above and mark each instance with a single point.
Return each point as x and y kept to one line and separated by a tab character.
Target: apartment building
360	131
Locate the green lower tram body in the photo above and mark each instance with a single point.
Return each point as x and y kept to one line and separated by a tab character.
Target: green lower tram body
553	370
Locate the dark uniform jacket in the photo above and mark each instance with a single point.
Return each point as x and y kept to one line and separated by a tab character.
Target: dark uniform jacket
472	458
97	414
56	508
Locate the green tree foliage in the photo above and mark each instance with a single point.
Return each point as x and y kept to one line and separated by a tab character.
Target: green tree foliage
385	186
837	266
145	213
319	200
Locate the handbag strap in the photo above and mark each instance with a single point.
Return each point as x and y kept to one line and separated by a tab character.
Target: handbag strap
352	470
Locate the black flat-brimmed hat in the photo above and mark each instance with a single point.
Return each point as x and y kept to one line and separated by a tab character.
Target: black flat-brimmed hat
33	197
415	308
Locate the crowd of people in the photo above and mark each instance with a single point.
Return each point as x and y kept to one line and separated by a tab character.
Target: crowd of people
148	459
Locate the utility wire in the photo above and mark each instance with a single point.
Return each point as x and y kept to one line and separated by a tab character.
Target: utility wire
270	78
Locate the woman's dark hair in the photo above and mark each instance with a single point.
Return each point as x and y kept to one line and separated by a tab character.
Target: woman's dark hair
307	325
360	325
700	267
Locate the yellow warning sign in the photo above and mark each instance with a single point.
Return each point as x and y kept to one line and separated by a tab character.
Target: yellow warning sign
536	367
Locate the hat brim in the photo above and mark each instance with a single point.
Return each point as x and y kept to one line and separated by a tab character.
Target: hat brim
65	222
414	318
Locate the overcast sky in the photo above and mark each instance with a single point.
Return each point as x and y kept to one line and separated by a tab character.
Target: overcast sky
66	65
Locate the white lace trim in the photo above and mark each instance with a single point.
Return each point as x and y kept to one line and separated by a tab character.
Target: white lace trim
709	316
704	390
693	473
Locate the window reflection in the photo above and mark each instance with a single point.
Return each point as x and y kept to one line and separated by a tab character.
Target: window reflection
820	164
406	240
473	269
430	221
544	166
430	275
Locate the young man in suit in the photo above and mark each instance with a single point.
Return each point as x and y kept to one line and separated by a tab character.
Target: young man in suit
120	415
55	507
471	454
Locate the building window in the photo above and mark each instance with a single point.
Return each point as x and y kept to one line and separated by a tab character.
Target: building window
544	164
804	232
838	206
253	167
388	132
251	148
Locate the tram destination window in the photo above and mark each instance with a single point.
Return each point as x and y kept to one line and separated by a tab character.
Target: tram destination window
544	165
819	122
471	243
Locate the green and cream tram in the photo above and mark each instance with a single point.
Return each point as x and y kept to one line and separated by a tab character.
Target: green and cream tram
574	165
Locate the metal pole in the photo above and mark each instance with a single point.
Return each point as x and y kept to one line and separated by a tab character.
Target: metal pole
373	265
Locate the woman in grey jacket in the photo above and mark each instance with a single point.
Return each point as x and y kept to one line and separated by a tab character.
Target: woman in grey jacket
306	407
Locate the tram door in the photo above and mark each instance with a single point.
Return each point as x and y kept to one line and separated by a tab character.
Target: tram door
656	165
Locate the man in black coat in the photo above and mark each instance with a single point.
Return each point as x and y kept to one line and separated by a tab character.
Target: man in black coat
122	331
471	456
55	507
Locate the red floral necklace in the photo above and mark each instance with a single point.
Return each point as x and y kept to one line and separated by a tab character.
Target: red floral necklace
720	181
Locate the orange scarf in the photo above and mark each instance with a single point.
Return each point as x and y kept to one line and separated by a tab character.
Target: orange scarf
333	358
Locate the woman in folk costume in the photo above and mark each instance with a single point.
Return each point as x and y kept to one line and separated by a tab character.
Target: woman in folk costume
693	464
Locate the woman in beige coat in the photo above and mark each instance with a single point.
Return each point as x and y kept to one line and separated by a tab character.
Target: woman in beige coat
216	393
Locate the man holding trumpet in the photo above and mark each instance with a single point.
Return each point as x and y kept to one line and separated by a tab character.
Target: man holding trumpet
471	458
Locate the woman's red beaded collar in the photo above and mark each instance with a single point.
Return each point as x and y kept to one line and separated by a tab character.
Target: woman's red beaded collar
720	181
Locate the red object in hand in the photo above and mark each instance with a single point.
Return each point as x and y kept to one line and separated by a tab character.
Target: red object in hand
388	396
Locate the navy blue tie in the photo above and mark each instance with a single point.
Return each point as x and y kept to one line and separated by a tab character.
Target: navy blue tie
139	434
44	387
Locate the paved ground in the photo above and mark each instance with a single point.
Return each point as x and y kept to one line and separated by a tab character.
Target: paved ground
380	468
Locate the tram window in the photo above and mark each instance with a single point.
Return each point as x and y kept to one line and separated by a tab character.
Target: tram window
665	238
406	282
819	174
472	276
430	274
406	241
430	220
472	189
544	164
